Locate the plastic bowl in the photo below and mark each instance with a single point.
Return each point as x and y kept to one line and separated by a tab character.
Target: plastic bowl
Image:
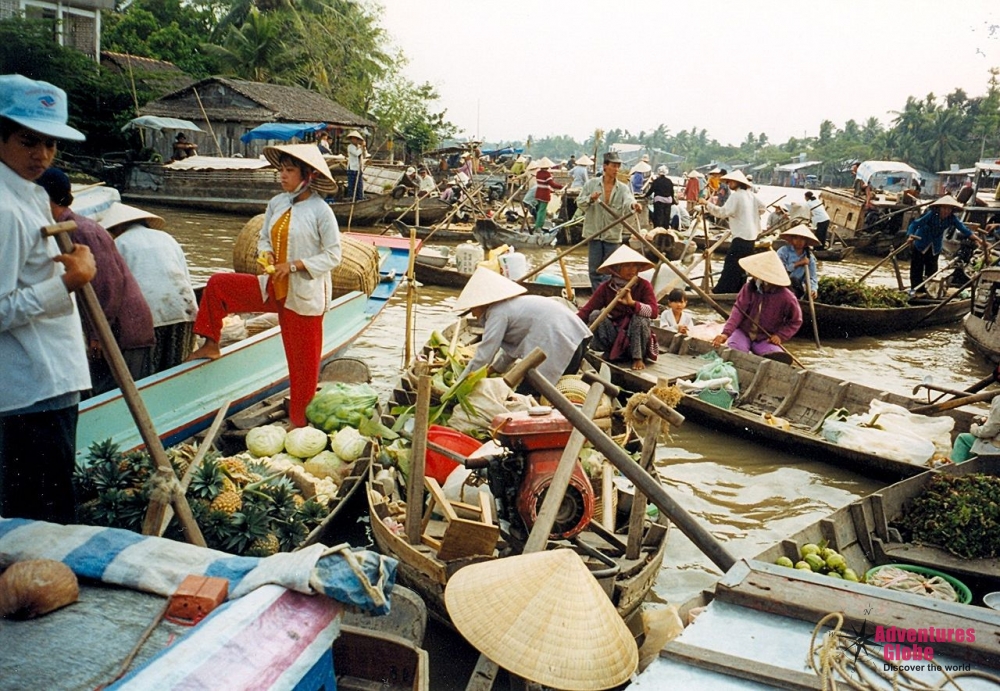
440	466
992	600
964	594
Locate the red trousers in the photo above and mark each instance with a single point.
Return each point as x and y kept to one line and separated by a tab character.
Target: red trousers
302	336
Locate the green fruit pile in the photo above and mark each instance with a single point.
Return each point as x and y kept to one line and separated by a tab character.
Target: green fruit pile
821	559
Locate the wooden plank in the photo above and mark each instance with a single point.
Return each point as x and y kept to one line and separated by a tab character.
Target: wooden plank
862	528
761	375
744	668
800	381
810	597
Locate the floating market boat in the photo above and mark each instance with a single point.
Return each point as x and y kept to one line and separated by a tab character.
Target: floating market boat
980	326
450	277
459	233
385	208
778	405
491	235
757	625
470	533
183	400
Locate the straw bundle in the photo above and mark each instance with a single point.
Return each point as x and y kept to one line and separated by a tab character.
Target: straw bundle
358	268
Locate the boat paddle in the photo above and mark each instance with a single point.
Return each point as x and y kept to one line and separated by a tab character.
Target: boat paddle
614	303
812	304
957	292
165	487
935	408
892	254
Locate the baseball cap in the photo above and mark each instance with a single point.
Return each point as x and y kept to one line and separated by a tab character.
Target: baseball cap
37	105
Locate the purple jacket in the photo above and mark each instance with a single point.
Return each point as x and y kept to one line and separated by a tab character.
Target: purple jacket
115	286
777	312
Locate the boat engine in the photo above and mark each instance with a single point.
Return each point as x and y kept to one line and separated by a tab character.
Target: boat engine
534	441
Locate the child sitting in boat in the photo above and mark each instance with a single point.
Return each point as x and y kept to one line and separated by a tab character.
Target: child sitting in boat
676	317
625	333
797	258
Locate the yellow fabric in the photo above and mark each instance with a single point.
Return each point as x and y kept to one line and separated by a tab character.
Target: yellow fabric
279	241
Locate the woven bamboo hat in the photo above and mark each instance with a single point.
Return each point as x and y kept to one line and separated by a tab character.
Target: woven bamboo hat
737	176
767	267
585	160
624	255
486	287
354	134
641	167
948	200
119	214
545	618
695	174
543	162
309	154
801	231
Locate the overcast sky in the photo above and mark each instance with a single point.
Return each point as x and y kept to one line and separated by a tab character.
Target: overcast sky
513	68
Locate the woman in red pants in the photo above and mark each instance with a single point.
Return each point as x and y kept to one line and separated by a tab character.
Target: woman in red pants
300	245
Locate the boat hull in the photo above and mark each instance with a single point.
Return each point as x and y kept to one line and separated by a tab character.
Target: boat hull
981	332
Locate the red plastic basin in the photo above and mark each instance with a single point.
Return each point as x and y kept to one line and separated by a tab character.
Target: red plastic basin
439	467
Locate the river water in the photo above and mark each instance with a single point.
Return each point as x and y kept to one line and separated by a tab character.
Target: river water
748	494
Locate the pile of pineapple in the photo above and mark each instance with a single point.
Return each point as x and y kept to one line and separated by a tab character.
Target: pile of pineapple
240	505
821	559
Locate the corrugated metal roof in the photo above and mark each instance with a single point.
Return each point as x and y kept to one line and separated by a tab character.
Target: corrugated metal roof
789	167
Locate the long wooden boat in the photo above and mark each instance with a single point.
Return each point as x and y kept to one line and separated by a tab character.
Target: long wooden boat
980	326
758	602
450	277
183	400
458	233
426	569
847	218
491	236
364	660
771	391
842	321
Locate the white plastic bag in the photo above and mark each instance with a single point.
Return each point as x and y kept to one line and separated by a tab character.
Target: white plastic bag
489	398
897	433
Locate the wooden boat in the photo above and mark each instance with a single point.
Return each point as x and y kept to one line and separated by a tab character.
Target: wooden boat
841	321
735	634
450	277
183	400
426	569
771	389
491	235
848	219
980	326
364	660
458	233
827	254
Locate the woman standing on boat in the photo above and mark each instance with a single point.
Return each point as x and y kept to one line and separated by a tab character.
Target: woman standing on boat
662	192
766	313
742	209
299	245
625	333
927	235
355	157
545	183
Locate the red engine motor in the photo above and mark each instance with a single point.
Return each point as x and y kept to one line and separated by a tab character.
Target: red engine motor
539	439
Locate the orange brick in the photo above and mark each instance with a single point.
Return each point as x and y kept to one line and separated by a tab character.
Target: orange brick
195	598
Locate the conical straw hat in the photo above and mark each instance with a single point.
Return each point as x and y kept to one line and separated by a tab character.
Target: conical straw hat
641	167
312	157
948	200
545	618
486	287
585	160
767	267
119	214
737	176
355	134
543	162
801	231
624	255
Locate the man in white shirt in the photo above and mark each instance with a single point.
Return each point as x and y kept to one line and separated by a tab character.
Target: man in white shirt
819	217
355	155
743	210
41	340
427	185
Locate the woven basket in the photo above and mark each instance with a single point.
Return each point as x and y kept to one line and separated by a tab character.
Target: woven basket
599	501
358	268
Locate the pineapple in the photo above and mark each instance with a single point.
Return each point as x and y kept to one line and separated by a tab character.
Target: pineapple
207	482
265	546
249	525
228	501
234	467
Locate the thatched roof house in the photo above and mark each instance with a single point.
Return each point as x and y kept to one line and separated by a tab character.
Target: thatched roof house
228	108
159	76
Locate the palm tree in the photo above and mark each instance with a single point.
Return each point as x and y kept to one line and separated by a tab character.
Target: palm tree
256	50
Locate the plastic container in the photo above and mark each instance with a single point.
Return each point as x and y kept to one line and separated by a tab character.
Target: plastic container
964	594
467	257
439	466
514	265
717	397
550	280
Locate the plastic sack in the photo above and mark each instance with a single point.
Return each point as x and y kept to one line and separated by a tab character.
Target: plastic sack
898	434
489	398
717	368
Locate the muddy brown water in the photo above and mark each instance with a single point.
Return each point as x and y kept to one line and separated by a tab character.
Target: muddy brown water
748	495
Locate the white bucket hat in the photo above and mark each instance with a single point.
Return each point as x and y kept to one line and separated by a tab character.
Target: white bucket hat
624	255
37	105
120	214
767	267
309	154
486	287
695	174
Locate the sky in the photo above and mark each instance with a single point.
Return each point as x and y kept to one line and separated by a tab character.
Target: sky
506	70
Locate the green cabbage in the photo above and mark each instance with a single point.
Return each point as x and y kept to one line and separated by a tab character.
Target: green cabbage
348	443
339	404
305	442
266	441
326	464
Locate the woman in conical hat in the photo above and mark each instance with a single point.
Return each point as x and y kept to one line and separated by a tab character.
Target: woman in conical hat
766	313
796	256
743	209
625	334
515	324
926	234
299	246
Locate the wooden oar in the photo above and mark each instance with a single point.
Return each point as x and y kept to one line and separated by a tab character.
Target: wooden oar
812	305
418	458
614	303
957	292
892	254
166	489
955	403
566	280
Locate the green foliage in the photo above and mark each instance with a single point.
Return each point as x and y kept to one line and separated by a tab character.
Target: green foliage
960	514
834	290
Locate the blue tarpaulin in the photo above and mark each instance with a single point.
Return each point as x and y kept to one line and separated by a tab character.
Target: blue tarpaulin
282	131
506	151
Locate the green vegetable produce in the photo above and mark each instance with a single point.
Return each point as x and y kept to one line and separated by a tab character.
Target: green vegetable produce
815	562
785	561
959	514
266	441
327	464
348	444
850	575
305	442
834	574
808	548
803	566
339	404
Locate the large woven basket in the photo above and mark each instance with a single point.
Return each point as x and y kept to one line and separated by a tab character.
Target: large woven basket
358	268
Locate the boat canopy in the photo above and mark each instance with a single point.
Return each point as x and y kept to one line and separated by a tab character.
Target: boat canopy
282	131
886	169
153	122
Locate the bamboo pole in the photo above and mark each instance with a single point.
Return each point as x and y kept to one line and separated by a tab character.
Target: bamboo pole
614	303
418	457
208	122
812	304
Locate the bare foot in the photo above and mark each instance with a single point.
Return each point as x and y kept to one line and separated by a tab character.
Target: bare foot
209	351
638	364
